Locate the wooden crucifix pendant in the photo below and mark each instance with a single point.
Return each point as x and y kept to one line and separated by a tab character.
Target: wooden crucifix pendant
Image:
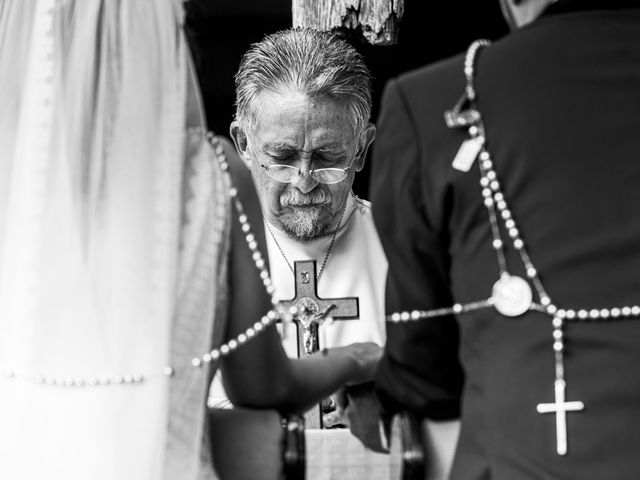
312	310
560	407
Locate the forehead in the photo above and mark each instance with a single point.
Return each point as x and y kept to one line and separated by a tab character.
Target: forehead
294	118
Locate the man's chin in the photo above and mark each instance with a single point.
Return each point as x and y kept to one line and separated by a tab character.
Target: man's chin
305	223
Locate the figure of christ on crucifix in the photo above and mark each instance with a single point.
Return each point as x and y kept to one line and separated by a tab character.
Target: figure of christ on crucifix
310	312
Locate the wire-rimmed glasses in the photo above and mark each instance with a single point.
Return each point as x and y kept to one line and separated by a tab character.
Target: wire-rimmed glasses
287	173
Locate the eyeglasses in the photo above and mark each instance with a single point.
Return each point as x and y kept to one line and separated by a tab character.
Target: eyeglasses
287	173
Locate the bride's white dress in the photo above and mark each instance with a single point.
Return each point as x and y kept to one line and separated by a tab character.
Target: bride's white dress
111	230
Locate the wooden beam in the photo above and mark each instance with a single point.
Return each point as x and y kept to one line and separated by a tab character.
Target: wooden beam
377	20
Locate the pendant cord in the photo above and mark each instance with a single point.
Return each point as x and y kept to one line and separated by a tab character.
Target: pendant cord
329	248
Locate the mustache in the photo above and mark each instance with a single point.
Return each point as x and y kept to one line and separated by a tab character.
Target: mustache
298	199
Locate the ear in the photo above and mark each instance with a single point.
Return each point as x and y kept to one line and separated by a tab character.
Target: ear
241	142
367	136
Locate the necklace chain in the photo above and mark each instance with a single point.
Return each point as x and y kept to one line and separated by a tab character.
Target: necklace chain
326	255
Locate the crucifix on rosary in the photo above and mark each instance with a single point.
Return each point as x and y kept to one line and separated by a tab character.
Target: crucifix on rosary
311	312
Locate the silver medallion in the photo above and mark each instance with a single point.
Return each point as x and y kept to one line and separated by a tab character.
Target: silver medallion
511	295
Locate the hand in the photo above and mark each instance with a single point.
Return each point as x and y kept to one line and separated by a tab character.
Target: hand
363	412
366	356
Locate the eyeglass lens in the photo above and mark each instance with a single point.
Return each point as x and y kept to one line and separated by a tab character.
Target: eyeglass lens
286	174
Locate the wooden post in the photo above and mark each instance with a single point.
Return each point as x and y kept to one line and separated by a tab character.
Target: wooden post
376	20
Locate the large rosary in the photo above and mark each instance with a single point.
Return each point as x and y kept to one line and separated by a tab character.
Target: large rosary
511	295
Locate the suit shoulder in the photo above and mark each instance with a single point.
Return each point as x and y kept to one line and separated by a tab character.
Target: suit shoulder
437	75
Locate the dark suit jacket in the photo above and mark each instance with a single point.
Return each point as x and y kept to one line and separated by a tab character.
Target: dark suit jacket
560	99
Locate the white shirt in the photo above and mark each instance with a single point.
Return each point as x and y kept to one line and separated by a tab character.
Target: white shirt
356	267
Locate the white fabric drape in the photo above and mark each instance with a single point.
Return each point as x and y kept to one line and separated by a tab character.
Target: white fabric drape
92	158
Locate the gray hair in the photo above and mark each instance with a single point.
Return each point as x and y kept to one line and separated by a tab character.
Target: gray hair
311	62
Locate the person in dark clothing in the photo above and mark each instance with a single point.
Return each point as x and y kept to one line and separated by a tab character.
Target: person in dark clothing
510	219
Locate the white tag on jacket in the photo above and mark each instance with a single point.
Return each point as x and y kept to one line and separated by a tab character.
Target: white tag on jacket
467	153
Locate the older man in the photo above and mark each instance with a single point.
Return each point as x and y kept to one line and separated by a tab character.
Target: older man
302	128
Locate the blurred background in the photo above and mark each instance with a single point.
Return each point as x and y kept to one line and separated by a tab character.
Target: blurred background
221	31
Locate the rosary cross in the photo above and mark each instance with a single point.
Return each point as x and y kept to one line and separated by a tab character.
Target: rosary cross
312	309
560	407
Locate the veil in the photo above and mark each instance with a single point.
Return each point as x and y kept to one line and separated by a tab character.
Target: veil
98	247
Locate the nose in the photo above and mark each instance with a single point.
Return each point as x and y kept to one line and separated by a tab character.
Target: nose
304	182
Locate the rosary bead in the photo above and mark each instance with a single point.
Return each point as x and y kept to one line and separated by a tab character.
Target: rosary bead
404	316
518	244
558	346
582	314
206	358
168	372
497	244
224	350
626	311
635	310
457	308
242	338
531	272
196	362
484	156
556	322
215	355
484	182
395	317
557	334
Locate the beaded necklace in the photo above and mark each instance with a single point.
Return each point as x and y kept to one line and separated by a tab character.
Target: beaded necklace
511	295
